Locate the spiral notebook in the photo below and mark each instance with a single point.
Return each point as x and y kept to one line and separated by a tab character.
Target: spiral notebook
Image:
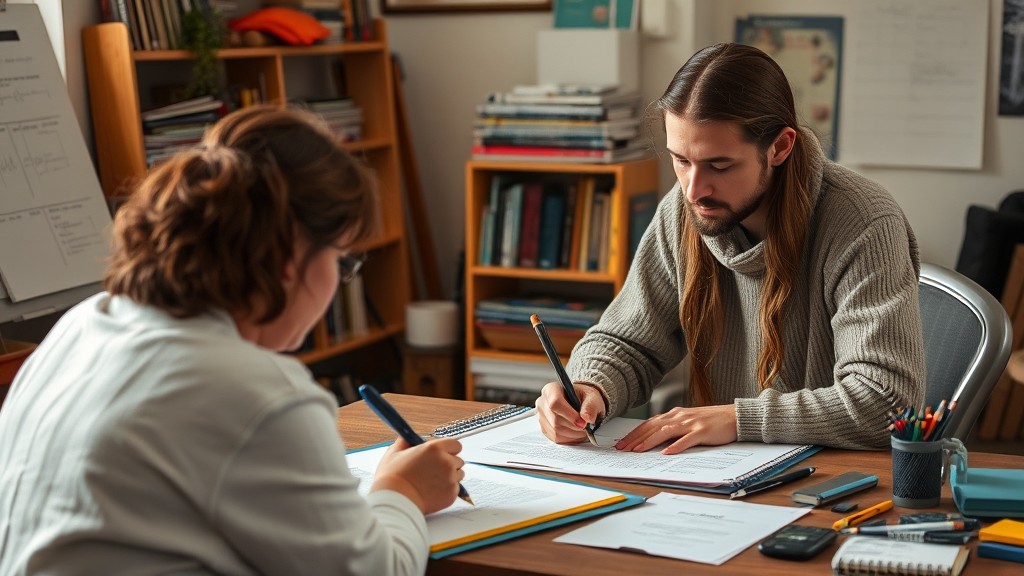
872	555
718	469
483	421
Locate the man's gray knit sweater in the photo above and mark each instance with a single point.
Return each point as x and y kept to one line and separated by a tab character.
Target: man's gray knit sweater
853	347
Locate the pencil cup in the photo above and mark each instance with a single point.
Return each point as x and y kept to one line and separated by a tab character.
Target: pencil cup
919	469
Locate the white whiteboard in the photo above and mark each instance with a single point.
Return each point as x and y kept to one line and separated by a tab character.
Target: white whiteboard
914	80
54	222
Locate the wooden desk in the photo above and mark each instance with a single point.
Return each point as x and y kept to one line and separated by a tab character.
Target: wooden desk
538	554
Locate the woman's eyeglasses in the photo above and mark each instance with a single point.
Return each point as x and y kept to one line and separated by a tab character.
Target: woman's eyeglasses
349	265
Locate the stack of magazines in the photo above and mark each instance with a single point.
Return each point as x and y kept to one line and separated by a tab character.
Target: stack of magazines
559	123
175	127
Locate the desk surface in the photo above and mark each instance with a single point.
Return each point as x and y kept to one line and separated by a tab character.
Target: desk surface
538	554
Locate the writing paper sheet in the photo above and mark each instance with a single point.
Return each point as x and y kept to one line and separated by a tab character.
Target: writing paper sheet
914	88
686	527
54	222
502	499
521	444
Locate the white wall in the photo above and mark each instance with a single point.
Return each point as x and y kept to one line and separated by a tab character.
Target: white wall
453	60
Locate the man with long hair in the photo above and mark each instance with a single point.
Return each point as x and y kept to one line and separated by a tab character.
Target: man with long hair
788	282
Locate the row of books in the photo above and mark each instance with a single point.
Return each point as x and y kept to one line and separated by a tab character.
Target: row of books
547	224
348	20
348	316
555	312
559	123
157	24
509	381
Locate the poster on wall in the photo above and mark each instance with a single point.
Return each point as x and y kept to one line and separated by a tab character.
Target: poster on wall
809	50
1011	61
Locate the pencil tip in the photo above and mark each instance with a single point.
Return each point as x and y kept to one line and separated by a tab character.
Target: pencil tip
468	499
592	438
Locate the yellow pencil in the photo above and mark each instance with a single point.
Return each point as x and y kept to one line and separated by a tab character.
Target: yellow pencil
865	514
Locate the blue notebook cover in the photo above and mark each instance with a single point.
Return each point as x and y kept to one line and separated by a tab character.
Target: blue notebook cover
631	500
762	474
1001	551
988	492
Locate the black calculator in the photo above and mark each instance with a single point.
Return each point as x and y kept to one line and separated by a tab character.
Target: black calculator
794	542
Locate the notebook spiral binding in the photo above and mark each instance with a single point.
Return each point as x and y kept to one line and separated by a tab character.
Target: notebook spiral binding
770	466
485	418
884	567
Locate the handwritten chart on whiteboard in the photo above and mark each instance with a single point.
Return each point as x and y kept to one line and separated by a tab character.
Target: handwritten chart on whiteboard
54	222
915	83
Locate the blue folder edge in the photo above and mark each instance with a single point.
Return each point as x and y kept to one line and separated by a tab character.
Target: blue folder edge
631	500
987	492
1001	551
730	488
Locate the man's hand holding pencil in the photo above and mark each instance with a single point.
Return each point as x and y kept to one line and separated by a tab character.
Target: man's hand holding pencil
568	412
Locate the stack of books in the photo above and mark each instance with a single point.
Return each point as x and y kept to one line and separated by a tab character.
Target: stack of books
1003	540
175	127
559	123
342	116
505	322
326	12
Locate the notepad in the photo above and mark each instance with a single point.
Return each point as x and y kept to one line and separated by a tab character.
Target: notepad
1005	531
872	555
508	504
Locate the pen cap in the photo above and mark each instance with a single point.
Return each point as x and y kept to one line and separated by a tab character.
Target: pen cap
919	469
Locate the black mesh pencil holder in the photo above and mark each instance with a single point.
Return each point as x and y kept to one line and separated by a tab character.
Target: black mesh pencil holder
919	469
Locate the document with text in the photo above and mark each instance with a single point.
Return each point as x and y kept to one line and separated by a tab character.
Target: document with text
506	503
521	444
692	528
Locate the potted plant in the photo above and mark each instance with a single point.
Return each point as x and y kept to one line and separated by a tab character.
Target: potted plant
202	32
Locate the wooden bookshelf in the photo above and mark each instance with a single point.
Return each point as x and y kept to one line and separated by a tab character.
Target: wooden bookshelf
483	281
120	81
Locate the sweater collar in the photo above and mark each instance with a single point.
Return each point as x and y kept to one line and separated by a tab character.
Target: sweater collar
734	250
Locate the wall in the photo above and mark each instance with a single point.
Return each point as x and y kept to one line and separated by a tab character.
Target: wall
452	61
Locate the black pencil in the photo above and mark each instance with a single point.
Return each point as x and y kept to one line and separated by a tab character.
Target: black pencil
563	377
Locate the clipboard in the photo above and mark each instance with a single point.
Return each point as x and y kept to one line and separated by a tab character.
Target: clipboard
471	541
54	220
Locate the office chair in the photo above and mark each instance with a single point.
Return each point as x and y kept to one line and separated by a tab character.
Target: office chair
967	336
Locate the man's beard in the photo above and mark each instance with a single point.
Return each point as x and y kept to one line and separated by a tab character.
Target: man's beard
722	225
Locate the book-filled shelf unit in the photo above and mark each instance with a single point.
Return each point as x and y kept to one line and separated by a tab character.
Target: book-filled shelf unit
122	83
506	266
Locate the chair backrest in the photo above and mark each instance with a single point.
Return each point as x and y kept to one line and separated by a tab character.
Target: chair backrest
967	337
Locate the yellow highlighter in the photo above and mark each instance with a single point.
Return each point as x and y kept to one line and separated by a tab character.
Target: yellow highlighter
865	514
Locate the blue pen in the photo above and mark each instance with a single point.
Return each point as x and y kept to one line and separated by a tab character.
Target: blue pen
393	419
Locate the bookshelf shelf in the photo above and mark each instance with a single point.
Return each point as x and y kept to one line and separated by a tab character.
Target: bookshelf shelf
122	83
483	281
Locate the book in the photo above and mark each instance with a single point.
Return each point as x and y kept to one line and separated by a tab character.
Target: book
623	129
602	99
550	154
552	220
556	111
1001	551
871	555
834	488
566	88
529	241
596	14
1005	531
641	212
508	504
183	108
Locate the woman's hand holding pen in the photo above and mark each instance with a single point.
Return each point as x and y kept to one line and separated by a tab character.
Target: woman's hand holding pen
428	474
704	425
559	422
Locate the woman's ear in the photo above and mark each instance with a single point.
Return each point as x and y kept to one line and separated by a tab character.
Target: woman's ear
782	147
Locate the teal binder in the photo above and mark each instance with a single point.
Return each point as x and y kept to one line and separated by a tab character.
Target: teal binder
630	500
987	492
